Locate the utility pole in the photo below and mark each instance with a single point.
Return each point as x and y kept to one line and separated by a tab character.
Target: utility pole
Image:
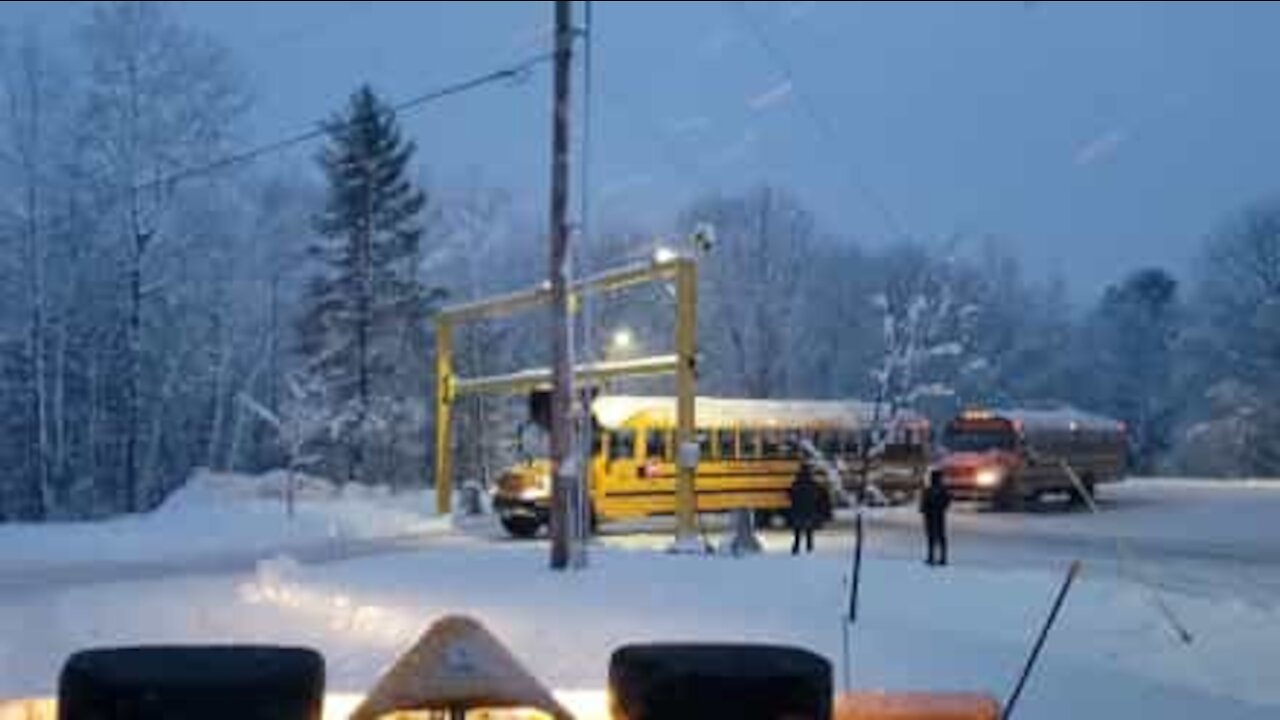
564	477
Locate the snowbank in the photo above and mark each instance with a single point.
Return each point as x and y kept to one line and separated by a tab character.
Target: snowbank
219	514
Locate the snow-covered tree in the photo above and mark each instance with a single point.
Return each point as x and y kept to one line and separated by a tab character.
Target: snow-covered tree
1233	348
836	335
926	329
1024	340
160	97
363	331
479	257
1131	340
751	289
36	113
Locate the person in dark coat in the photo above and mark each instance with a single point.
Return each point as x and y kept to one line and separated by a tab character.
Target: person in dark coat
804	508
934	502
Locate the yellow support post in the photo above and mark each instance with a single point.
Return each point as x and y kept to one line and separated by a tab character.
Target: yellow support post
682	270
686	389
444	405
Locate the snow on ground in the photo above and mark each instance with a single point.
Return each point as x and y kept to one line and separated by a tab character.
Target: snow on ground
221	513
966	627
1217	512
956	628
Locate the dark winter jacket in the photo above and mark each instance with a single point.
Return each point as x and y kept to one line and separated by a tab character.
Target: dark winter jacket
935	500
804	497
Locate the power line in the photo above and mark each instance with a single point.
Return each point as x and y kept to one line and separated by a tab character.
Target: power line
824	127
510	72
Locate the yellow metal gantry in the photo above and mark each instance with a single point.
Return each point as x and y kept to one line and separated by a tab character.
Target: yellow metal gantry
680	270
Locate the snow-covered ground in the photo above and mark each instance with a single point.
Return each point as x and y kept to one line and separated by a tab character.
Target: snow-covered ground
965	627
955	628
222	515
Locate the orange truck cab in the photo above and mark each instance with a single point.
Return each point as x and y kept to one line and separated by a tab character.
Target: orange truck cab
1009	456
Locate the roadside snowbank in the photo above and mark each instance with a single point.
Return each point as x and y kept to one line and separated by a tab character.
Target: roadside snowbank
217	514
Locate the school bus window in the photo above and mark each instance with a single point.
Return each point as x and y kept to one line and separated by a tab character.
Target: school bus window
748	444
704	444
728	449
622	444
852	442
767	444
598	443
655	446
828	441
789	446
771	444
796	445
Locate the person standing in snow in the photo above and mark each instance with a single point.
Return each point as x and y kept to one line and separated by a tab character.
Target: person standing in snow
934	502
804	507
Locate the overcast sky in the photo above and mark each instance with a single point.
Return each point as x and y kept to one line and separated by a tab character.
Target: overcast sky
1094	138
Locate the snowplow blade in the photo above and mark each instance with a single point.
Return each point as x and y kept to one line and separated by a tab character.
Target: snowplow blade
916	706
44	708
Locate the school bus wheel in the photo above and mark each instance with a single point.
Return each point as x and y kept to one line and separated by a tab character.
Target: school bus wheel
521	527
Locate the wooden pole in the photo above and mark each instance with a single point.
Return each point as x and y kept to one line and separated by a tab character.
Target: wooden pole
564	477
687	538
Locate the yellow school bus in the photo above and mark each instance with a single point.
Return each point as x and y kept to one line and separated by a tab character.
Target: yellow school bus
750	452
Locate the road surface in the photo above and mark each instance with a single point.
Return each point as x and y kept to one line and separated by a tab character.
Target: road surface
1193	537
1198	538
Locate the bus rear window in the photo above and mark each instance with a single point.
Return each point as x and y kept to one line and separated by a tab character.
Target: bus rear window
977	437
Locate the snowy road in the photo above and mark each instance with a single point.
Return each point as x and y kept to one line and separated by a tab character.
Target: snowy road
1205	539
1212	541
1220	539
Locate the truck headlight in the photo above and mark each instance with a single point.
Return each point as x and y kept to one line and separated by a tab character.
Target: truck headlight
537	488
988	477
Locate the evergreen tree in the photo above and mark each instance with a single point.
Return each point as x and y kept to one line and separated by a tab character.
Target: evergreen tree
365	305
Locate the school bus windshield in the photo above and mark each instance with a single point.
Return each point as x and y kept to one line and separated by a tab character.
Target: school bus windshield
974	438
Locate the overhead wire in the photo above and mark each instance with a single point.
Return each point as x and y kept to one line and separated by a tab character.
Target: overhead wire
820	122
510	72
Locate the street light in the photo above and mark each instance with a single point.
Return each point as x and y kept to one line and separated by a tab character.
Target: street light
663	255
622	339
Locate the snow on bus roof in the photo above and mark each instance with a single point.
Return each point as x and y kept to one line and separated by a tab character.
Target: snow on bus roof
618	410
1056	418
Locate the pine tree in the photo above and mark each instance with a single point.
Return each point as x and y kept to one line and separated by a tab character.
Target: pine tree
365	305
